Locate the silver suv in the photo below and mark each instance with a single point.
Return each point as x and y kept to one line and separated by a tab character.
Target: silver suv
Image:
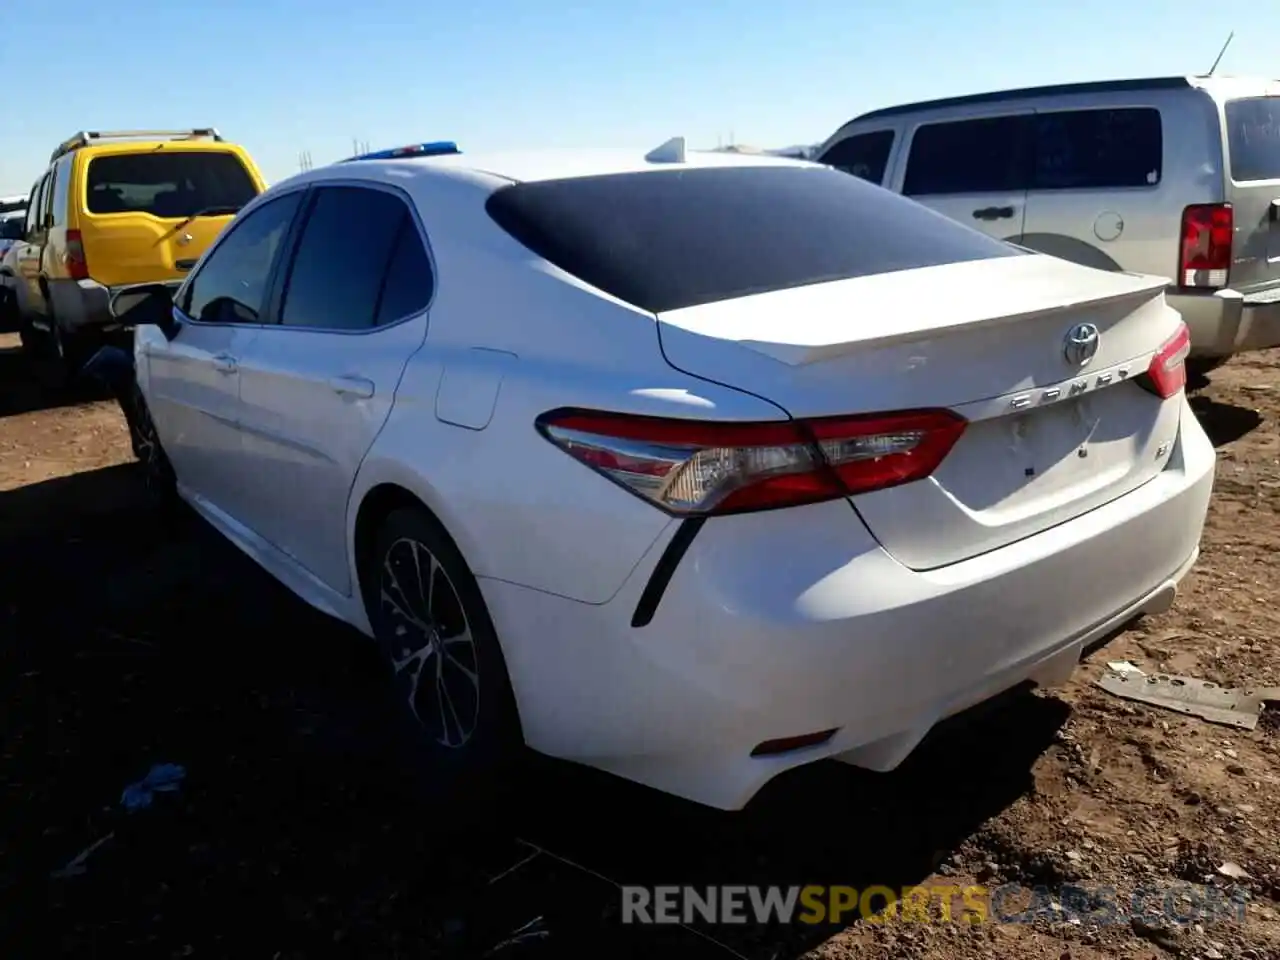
1178	177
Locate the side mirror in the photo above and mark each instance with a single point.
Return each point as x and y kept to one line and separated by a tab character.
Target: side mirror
146	303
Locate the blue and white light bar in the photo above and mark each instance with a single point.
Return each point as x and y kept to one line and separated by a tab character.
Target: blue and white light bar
439	148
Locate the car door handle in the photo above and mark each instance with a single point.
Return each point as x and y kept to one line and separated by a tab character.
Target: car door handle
225	363
352	387
993	213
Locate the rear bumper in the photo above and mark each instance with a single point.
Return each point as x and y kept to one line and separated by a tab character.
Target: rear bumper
786	623
1227	322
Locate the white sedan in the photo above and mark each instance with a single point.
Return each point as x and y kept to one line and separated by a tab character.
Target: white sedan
693	467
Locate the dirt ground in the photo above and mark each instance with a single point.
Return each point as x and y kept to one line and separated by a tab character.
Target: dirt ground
126	642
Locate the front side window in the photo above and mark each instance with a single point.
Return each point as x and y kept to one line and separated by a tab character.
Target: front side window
337	273
231	285
1099	149
169	184
37	207
62	177
864	155
986	155
1253	138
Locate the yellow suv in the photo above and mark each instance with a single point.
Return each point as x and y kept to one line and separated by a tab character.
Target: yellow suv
118	208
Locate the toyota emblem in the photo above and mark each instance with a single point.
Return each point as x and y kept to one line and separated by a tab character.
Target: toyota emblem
1081	344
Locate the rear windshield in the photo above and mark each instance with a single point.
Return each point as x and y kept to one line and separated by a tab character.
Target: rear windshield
169	184
664	240
1253	138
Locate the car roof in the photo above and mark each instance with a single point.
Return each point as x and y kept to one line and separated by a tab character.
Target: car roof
525	166
1218	86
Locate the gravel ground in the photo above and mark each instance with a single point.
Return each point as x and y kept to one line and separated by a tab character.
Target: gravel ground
299	831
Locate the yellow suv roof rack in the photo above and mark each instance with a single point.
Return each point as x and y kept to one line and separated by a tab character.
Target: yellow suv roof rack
87	137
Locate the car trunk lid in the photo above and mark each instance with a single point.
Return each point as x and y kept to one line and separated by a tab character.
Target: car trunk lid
1049	437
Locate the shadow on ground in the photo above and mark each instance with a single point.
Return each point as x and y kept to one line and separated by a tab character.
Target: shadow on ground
298	832
1224	422
28	386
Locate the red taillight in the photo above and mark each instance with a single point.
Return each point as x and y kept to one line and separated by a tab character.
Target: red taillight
1204	254
77	266
1167	372
696	467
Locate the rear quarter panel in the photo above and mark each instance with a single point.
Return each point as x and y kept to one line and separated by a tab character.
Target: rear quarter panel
521	509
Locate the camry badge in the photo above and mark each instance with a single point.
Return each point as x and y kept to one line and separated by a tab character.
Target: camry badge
1081	344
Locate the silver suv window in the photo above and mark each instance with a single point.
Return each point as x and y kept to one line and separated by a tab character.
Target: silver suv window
1106	148
864	155
1097	149
1253	138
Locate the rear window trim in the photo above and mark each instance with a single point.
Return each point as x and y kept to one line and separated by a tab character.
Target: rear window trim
87	158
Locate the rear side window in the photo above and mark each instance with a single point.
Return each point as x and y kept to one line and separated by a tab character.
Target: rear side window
169	184
987	155
667	239
348	246
1081	149
864	155
1253	138
62	178
409	282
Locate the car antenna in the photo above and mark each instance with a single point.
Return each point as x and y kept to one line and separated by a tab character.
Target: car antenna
1231	36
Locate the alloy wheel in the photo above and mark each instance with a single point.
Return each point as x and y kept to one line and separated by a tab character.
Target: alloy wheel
433	650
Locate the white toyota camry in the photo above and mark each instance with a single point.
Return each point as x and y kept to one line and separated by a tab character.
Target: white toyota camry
693	467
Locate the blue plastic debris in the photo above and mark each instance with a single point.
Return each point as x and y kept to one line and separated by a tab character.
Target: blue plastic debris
438	148
161	778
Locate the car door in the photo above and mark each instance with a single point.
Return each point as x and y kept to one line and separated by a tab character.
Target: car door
193	380
31	297
973	170
317	387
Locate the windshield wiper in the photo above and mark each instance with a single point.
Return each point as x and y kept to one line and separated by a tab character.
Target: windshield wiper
221	211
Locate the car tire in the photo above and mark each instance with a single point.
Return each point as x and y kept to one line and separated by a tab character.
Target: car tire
157	472
70	350
450	681
34	343
9	318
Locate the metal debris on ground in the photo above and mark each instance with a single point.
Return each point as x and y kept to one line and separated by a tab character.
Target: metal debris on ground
533	930
161	778
1234	871
76	866
1124	667
1233	707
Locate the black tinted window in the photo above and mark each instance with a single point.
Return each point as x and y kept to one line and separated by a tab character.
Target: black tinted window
11	228
168	183
968	156
676	238
35	210
342	258
1077	149
409	282
231	285
864	155
1253	138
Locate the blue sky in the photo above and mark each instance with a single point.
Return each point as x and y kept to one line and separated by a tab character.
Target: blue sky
283	76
